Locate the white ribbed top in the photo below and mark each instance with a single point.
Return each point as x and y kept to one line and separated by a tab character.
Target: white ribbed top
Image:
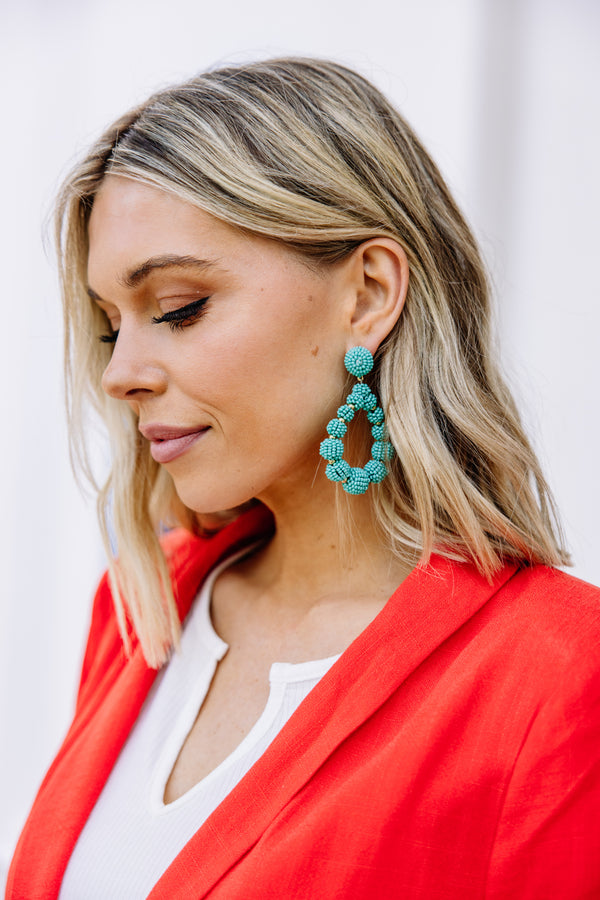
131	836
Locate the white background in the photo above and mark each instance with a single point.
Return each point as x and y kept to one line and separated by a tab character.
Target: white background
504	93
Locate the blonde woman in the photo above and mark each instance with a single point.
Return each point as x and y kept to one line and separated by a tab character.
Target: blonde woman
332	656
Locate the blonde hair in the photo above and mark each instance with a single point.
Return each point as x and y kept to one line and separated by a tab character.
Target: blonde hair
309	153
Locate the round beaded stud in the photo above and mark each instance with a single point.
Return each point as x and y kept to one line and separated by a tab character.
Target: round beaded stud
358	362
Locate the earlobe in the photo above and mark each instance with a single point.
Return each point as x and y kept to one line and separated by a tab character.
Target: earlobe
380	272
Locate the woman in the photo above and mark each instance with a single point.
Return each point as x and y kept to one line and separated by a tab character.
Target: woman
381	687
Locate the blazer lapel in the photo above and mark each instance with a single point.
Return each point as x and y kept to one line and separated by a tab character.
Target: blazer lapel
110	706
429	606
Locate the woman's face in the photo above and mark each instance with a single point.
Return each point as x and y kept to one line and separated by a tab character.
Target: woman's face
229	349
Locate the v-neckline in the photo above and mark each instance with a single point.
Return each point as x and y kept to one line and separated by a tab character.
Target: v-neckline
200	635
430	605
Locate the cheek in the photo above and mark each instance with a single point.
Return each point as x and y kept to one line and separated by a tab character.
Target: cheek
291	378
288	401
301	341
272	365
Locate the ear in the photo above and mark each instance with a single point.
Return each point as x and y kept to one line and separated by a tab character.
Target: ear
379	273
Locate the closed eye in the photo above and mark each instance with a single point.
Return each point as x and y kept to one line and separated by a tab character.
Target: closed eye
185	315
109	338
176	318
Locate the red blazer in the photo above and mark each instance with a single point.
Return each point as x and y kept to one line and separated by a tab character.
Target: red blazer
453	751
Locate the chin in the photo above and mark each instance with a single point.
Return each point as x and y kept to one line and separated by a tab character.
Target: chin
210	522
220	505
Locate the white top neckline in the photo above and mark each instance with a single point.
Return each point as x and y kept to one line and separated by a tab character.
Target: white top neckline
200	629
131	836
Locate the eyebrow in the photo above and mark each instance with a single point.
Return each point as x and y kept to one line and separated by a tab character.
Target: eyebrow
135	276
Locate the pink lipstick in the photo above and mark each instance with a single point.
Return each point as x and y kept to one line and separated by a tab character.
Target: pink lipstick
167	443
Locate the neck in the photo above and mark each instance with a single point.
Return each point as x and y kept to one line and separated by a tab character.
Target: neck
324	546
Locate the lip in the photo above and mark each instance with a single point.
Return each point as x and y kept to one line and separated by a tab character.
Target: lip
167	443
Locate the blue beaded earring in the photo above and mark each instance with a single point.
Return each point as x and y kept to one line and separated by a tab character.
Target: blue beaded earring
358	362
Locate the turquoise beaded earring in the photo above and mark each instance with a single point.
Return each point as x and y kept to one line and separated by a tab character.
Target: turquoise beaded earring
358	362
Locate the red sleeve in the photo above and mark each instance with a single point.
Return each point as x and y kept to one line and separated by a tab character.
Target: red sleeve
104	641
548	839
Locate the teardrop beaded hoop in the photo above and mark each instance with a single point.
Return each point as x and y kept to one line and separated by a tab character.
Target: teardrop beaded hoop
358	362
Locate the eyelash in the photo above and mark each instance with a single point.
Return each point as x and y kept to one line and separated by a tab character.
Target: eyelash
177	319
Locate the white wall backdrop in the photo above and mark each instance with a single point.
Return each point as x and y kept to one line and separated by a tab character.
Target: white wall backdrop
504	94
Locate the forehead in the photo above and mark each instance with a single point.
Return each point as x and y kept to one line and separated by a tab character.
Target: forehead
127	212
132	222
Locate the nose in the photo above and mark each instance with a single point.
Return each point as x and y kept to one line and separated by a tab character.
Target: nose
133	369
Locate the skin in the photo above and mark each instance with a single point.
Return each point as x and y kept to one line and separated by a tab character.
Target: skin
262	370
